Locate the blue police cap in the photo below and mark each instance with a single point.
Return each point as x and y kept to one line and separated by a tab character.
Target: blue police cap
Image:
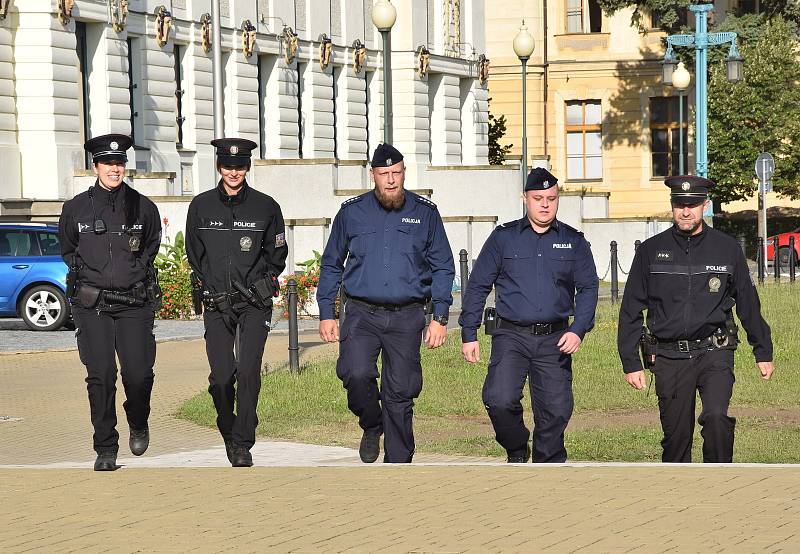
540	179
386	155
234	152
688	189
107	148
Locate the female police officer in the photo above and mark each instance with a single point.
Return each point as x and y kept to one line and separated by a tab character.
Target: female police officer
110	236
236	244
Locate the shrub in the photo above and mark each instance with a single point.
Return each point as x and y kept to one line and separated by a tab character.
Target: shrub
173	276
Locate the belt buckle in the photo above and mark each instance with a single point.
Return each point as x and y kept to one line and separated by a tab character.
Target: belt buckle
683	346
542	328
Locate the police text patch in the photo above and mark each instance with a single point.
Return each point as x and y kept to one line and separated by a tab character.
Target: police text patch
562	245
664	256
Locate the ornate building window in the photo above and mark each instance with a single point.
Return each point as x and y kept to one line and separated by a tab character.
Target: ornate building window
584	16
665	132
451	32
584	140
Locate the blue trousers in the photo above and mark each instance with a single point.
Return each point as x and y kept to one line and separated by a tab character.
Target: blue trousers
396	336
516	357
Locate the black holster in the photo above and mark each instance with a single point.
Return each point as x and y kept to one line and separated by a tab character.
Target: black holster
648	348
88	296
490	320
197	293
152	290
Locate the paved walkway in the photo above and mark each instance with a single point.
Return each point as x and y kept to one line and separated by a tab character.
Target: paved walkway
183	496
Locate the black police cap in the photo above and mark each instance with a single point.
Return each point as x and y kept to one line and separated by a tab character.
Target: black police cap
386	155
234	152
540	179
107	148
688	189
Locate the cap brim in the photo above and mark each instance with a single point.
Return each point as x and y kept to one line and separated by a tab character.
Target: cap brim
683	199
232	161
110	158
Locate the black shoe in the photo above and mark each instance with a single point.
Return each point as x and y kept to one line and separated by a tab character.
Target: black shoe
106	461
521	459
139	441
241	457
229	448
370	447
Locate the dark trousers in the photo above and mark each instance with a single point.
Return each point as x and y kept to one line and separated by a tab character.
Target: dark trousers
228	377
711	374
516	357
396	336
128	333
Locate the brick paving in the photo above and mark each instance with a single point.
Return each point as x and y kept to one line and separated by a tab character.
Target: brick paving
181	496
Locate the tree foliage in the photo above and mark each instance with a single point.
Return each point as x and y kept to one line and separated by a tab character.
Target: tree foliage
759	114
497	129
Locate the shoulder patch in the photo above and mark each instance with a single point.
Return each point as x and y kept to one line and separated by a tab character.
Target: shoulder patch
426	201
507	224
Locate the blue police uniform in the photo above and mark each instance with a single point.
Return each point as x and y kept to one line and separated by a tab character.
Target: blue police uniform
389	263
540	280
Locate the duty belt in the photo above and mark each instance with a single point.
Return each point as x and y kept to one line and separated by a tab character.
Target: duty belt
387	307
687	345
535	329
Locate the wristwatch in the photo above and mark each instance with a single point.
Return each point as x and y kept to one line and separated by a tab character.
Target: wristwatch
441	319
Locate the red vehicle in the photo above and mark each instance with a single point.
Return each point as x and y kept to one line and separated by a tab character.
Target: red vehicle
783	247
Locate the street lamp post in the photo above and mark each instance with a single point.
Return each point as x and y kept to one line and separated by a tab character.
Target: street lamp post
701	40
383	17
680	80
523	48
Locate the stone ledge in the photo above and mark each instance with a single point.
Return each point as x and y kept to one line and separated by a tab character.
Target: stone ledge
470	219
308	222
499	167
590	193
130	173
624	219
308	161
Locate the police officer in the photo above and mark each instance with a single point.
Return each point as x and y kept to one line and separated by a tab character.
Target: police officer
236	245
543	272
389	251
110	236
688	278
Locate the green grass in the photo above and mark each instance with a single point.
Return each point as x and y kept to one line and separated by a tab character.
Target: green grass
612	421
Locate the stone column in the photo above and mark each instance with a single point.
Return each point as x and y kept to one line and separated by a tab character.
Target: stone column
445	119
11	183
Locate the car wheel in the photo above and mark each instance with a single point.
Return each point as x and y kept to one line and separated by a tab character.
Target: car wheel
44	308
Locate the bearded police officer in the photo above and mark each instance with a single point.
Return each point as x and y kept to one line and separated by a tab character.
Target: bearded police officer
688	278
543	273
110	236
236	244
389	251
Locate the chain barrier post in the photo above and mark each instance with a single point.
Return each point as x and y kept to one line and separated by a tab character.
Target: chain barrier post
614	273
636	244
776	260
761	263
792	260
464	267
294	349
743	244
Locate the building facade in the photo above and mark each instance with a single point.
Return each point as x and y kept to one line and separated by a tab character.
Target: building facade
598	114
303	79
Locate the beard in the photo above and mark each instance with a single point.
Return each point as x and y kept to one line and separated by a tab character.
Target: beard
393	201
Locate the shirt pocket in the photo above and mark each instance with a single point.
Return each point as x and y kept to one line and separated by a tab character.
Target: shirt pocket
410	239
362	240
519	265
562	265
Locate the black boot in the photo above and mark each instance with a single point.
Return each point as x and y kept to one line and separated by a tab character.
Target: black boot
229	448
241	457
106	461
520	459
370	447
139	441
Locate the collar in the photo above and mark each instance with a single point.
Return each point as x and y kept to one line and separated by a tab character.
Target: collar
524	224
238	198
100	192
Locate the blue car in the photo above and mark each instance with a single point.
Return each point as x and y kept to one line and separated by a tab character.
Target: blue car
33	277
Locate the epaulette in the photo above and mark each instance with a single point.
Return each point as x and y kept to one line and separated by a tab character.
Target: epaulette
354	199
571	228
507	224
426	201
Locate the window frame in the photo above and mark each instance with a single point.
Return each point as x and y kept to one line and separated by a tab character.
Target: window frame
669	126
583	129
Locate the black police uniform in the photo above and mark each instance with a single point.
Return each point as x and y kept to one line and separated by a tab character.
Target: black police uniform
236	240
110	240
396	260
688	284
540	280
